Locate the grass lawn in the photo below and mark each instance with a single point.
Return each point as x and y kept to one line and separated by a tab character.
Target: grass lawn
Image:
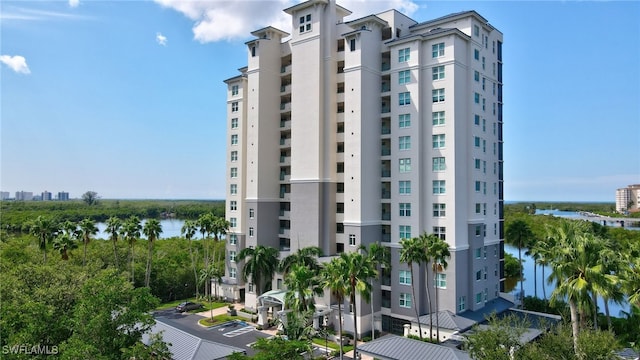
331	344
173	304
218	320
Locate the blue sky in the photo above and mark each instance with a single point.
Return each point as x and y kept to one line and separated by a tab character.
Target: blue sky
127	98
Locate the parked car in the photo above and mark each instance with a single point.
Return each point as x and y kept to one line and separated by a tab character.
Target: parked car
186	306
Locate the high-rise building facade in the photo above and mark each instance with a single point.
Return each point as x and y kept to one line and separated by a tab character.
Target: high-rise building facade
627	199
347	133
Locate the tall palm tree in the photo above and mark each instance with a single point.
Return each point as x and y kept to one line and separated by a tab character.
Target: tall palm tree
152	229
412	253
334	275
307	256
260	264
438	250
88	228
205	224
219	227
302	284
359	270
519	234
63	243
214	271
70	228
381	257
113	228
189	229
131	232
45	230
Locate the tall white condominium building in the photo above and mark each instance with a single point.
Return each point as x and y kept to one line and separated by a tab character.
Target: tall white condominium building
628	199
347	133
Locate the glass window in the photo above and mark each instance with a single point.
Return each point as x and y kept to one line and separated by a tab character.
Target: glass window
476	98
305	23
232	273
352	239
476	141
234	90
405	165
476	120
404	142
438	164
437	50
440	231
405	300
251	213
439	187
352	45
441	280
479	298
234	139
404	98
476	30
405	209
437	95
438	72
476	54
462	303
404	120
233	222
478	275
405	232
404	77
234	106
404	187
232	256
234	123
251	232
234	189
437	117
404	55
439	210
234	172
438	141
405	277
478	208
234	156
477	186
233	205
476	76
233	239
477	163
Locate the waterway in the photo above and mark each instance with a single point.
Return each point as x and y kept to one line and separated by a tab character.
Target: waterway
170	228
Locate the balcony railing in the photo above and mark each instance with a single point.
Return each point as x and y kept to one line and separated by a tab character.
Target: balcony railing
386	216
386	194
385	130
385	151
385	109
386	66
385	87
386	173
386	238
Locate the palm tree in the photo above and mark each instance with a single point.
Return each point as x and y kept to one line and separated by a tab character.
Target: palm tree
359	270
45	230
63	243
113	228
302	284
307	256
335	280
381	258
205	224
219	227
69	228
260	264
206	274
131	232
519	233
152	229
412	253
438	250
87	229
189	230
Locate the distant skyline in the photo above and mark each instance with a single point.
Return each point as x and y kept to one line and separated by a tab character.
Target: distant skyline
126	98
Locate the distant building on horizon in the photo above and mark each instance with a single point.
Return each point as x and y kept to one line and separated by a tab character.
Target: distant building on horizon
24	196
63	196
627	199
4	195
46	196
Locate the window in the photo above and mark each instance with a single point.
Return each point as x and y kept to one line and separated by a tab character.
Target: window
234	139
437	50
279	284
405	165
483	63
476	98
494	108
232	256
251	213
234	172
233	222
234	123
437	117
484	82
478	208
404	142
404	120
234	156
352	45
478	230
476	54
234	106
438	141
438	72
405	277
250	287
462	303
440	231
477	163
405	209
405	300
478	275
232	273
233	239
234	189
233	205
484	125
253	51
404	187
251	232
437	95
405	232
476	76
441	280
479	298
484	104
477	186
438	164
234	90
439	187
404	77
476	30
339	208
439	210
476	120
484	145
404	98
352	239
340	167
476	141
404	55
305	23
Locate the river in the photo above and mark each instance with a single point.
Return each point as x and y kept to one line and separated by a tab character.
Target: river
170	228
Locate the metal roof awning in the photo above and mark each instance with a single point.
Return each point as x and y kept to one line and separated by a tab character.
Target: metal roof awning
272	298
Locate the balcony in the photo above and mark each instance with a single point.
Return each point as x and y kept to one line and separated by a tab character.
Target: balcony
286	107
386	194
385	130
285	160
385	216
385	151
385	87
285	124
386	173
285	70
385	109
285	89
385	66
385	238
285	142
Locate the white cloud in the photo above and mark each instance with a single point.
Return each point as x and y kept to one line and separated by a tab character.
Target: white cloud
74	3
16	63
161	39
217	20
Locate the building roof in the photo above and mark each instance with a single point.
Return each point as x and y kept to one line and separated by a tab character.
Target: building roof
184	346
393	347
272	298
448	320
453	16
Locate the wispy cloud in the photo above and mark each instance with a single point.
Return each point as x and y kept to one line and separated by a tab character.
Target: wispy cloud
217	20
74	3
27	14
161	39
16	63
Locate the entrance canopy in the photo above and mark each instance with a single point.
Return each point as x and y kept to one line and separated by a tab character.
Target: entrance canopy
272	298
